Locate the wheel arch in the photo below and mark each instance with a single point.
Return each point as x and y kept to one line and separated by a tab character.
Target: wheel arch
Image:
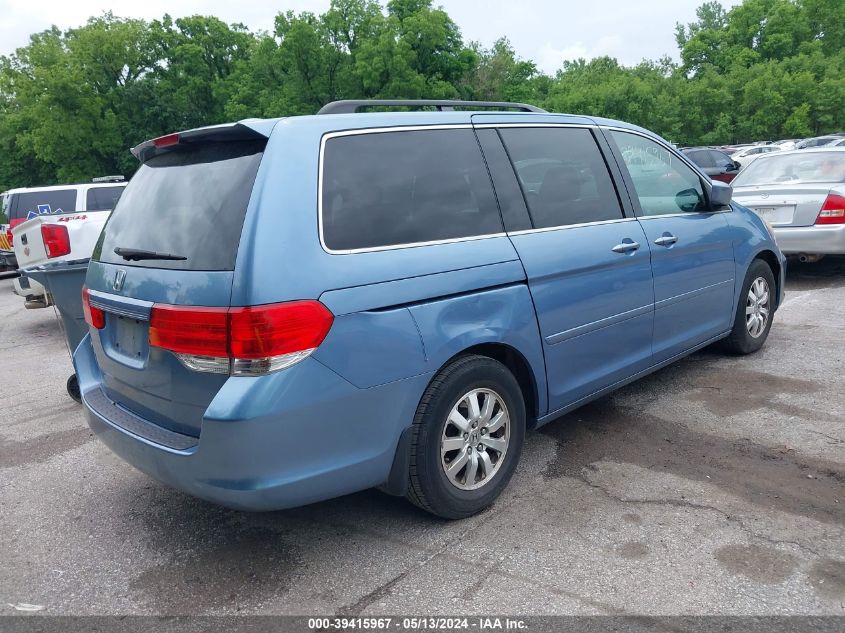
514	361
774	263
519	366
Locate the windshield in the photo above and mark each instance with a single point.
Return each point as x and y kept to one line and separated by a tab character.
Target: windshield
189	203
799	168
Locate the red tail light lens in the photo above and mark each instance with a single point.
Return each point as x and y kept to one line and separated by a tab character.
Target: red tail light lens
256	339
166	140
10	237
95	317
56	239
284	328
189	330
833	210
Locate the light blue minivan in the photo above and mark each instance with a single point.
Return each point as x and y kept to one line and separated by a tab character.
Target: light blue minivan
284	311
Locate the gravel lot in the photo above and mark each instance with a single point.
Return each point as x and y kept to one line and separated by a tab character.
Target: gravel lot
716	485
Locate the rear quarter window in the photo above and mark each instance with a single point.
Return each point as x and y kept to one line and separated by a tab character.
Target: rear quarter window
404	187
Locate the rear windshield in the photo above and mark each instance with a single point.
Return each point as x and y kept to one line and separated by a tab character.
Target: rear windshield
190	203
800	167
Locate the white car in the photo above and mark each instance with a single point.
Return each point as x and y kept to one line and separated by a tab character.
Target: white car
57	223
749	154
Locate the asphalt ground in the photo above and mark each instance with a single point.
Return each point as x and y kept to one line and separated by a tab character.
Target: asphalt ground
715	486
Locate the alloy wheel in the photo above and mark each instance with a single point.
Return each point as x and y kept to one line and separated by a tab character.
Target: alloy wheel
475	439
757	307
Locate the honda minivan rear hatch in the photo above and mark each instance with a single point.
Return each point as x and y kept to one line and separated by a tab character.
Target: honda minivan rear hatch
170	244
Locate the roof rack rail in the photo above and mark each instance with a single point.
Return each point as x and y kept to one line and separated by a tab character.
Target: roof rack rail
351	106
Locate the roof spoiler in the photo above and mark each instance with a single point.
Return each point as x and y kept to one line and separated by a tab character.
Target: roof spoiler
356	105
248	130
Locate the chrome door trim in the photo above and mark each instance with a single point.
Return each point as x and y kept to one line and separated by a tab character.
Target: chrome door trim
571	226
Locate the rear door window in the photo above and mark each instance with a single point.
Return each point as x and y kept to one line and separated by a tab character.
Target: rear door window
189	202
28	204
563	176
405	187
102	198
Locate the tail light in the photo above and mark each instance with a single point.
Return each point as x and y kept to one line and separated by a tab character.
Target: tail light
56	239
833	210
95	317
247	341
167	140
10	237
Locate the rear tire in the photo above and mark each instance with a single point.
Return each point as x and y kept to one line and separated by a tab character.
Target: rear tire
754	311
472	401
73	388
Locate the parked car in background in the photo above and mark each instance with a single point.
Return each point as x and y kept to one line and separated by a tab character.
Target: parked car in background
817	141
715	163
747	155
286	310
838	143
802	195
37	206
787	144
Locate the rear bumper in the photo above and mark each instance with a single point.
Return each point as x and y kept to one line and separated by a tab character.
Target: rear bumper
822	240
284	440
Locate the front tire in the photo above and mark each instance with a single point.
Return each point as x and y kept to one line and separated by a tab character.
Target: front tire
754	312
467	437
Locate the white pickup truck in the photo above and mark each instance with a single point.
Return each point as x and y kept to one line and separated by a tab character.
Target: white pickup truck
50	237
53	239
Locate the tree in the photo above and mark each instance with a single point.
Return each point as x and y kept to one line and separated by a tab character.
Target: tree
72	103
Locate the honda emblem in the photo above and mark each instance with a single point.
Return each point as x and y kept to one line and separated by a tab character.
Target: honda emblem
119	278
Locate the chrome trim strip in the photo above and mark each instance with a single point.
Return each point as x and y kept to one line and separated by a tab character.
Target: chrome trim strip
571	226
111	309
686	214
689	295
123	306
484	126
391	247
560	337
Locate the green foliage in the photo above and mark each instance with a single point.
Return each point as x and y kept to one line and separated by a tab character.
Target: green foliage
72	103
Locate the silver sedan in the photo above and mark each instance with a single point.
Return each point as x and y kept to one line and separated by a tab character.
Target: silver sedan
801	195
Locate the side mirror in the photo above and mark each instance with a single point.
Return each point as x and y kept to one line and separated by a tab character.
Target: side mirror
720	195
689	200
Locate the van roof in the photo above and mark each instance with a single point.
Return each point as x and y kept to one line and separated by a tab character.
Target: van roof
343	118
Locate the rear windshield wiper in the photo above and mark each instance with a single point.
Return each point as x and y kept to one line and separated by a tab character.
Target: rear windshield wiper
134	254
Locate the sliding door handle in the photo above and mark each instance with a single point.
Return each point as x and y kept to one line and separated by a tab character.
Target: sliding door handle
626	246
666	239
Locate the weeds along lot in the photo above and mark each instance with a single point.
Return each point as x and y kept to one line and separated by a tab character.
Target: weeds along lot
716	485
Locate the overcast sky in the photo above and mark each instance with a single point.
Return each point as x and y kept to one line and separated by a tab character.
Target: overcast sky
547	31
